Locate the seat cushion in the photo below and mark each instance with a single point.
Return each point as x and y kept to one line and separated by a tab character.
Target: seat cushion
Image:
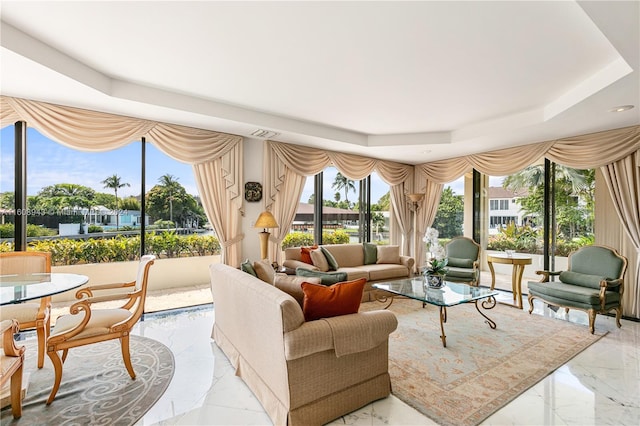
577	294
100	322
22	312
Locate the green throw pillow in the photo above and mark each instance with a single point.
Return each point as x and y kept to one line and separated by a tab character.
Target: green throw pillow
333	263
326	278
247	267
370	253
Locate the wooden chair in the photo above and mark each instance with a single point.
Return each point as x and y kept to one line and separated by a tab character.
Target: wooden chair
463	261
84	325
11	362
29	314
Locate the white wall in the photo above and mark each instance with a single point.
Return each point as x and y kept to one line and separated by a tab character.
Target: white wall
253	155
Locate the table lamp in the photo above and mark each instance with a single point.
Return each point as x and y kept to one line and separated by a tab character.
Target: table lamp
265	221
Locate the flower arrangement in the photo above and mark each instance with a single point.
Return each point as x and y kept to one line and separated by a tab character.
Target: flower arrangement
437	264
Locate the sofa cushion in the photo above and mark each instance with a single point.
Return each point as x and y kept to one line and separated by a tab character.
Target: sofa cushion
265	271
385	271
347	254
459	262
388	254
305	254
247	267
292	285
584	280
342	298
326	278
353	273
319	260
333	263
370	253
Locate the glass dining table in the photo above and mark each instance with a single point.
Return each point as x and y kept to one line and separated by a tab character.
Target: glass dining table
17	288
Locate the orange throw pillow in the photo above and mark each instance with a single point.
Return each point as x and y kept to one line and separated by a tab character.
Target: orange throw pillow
305	254
339	299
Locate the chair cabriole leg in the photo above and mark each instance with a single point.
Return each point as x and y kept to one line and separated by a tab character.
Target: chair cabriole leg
126	357
57	365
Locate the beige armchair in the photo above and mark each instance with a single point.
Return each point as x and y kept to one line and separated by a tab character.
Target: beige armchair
11	362
86	325
29	314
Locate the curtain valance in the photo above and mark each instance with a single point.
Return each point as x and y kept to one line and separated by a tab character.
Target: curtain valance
306	161
585	152
216	157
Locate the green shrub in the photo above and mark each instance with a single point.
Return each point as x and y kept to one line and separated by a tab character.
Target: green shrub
339	236
163	224
121	248
7	229
297	239
94	229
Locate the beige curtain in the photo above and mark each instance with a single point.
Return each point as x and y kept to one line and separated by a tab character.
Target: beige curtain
214	155
613	150
283	161
623	181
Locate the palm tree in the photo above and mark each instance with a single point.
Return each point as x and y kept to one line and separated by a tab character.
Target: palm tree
342	182
170	182
113	182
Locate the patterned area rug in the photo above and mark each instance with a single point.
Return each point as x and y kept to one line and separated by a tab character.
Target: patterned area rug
96	388
481	369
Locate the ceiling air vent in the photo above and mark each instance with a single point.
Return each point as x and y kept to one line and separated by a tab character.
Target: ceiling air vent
266	134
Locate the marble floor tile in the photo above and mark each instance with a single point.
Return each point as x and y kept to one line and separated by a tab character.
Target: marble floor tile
599	386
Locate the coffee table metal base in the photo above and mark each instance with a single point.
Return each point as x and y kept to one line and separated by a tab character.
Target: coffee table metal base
488	303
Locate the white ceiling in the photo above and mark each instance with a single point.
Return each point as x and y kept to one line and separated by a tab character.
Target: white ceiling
406	81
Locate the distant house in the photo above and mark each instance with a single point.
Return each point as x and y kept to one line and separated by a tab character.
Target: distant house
331	217
103	216
503	209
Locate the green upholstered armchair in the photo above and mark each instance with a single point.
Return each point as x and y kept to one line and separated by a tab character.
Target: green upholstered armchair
594	282
463	260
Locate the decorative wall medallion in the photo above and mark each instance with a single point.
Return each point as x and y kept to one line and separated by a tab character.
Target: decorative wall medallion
252	191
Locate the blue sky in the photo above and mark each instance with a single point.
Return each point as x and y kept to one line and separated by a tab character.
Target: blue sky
50	163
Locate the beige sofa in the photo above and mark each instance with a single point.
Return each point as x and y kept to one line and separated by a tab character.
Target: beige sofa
303	373
350	258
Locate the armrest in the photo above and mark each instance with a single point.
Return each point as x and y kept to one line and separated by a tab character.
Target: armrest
546	275
345	334
8	329
407	261
360	332
293	264
609	284
311	337
88	291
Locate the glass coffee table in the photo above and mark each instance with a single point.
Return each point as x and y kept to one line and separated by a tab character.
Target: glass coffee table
450	294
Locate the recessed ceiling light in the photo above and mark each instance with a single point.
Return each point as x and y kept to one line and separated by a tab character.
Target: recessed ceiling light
621	108
426	151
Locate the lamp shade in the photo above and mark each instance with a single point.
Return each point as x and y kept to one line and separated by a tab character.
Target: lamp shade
266	220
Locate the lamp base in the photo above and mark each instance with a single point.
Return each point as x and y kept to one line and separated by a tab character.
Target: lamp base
264	244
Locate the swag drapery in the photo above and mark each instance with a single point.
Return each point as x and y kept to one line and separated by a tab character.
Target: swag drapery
216	158
287	166
615	152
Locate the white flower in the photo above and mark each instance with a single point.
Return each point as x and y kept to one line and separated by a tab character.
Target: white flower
433	244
